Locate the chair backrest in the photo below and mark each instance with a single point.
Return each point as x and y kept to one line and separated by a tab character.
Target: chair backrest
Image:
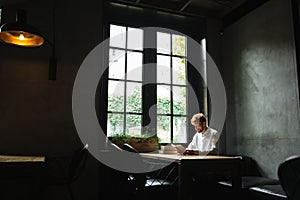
249	166
289	176
140	178
128	147
78	162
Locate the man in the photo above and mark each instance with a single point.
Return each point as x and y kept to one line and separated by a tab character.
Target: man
205	139
204	142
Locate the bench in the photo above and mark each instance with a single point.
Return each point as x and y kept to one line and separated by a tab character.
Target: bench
267	192
254	185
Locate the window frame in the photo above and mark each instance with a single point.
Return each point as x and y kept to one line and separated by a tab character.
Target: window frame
137	18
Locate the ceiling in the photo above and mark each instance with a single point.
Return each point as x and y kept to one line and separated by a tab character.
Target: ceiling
228	10
202	8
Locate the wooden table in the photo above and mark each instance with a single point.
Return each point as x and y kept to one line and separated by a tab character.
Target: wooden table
21	159
189	163
19	166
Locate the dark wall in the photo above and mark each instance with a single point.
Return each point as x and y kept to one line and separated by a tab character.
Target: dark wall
36	113
214	51
260	75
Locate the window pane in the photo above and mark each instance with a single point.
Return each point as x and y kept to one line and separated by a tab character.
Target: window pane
134	125
163	69
116	64
134	97
135	39
117	36
178	71
163	43
179	100
115	123
163	99
179	130
178	45
116	96
134	66
163	128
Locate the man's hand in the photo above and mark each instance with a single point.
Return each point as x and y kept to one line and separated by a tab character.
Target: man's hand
180	148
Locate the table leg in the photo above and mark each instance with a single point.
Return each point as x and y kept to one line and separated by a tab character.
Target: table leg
236	180
184	180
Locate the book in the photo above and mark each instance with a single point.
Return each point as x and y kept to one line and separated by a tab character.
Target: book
168	152
168	149
181	149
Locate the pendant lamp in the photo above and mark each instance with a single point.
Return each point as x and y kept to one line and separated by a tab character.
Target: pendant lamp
20	33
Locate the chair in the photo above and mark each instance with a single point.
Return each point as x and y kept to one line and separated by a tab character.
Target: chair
250	177
159	183
289	176
64	171
267	192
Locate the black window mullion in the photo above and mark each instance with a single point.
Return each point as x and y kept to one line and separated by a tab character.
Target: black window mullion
171	100
171	89
149	88
125	82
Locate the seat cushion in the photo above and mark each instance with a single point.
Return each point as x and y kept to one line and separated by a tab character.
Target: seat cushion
250	181
271	191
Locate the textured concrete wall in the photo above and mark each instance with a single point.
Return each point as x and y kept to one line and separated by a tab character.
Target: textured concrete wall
261	83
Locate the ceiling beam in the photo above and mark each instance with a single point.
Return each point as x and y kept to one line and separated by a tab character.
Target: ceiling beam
241	11
223	3
141	5
185	5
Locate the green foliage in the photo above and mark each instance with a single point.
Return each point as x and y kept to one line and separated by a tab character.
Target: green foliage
179	45
126	138
164	105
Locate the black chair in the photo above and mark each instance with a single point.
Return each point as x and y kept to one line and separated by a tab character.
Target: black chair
250	177
267	192
289	176
63	171
160	183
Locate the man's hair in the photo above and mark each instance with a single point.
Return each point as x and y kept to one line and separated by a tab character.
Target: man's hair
199	117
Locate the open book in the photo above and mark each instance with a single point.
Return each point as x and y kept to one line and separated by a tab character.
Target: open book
182	150
174	149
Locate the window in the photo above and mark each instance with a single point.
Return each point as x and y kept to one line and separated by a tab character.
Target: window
171	87
125	111
125	81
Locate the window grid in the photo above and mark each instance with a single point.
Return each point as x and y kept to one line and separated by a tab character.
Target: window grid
171	85
171	55
126	50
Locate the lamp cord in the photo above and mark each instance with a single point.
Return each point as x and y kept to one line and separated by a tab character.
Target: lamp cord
53	27
53	60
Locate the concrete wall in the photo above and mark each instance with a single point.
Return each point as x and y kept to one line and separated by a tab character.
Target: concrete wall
261	84
36	113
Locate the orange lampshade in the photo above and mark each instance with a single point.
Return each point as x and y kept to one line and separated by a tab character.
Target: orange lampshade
21	34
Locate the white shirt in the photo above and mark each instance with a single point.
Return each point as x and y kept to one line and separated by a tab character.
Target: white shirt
204	142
